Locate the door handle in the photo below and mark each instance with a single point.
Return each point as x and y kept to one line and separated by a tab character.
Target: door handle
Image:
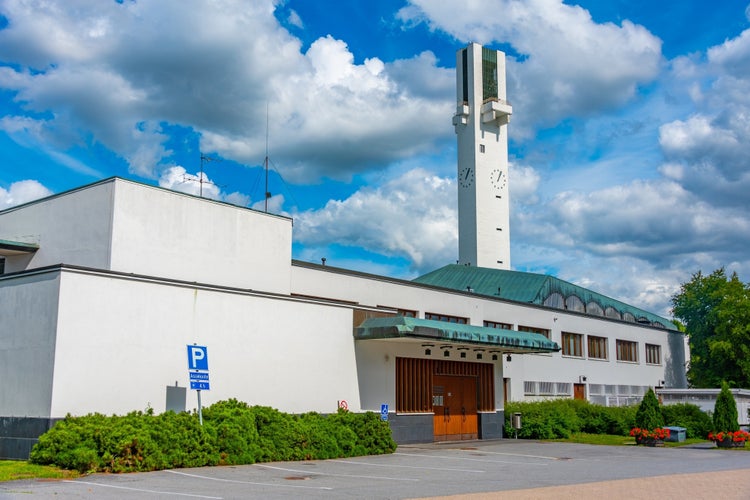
447	413
463	413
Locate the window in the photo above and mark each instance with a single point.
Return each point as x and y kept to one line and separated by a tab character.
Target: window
555	300
597	347
497	324
489	74
444	317
533	329
594	309
2	265
653	354
481	148
611	312
573	303
407	313
627	351
571	344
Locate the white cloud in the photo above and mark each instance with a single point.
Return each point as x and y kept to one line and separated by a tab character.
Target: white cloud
295	20
567	64
177	178
114	73
21	192
412	216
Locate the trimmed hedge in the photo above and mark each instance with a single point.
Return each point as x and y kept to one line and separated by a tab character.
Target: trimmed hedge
559	419
232	433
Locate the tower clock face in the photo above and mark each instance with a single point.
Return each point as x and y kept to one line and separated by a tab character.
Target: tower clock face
498	179
466	177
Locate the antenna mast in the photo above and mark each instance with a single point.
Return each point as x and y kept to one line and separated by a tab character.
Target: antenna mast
204	158
267	194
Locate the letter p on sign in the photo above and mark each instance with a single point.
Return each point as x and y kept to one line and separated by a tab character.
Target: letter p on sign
197	357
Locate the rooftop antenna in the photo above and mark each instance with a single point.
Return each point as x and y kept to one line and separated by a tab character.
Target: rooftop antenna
204	158
267	195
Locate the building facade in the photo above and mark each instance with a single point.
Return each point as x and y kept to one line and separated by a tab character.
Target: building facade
102	288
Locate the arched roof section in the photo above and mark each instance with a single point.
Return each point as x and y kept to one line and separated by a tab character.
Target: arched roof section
532	288
574	303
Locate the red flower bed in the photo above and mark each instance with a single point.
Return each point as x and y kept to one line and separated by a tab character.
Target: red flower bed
646	434
735	437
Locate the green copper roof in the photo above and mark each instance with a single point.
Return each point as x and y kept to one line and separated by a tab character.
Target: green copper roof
441	331
538	289
17	247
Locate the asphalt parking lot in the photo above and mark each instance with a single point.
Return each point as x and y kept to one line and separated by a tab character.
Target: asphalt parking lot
478	469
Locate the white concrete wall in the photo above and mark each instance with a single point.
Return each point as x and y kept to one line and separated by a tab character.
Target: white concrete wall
533	367
376	362
28	317
167	234
120	342
74	228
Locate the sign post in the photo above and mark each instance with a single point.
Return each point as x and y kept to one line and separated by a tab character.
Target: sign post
198	372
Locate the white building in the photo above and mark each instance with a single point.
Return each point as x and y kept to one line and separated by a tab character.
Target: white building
102	287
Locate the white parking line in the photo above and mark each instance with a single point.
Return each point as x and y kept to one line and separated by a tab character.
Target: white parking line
409	466
334	475
249	482
140	490
470	459
541	457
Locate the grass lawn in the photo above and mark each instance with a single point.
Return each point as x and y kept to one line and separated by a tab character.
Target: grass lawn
11	470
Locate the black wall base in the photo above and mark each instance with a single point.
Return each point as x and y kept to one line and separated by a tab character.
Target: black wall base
408	429
491	425
19	434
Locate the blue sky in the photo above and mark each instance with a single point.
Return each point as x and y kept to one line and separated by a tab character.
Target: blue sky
628	171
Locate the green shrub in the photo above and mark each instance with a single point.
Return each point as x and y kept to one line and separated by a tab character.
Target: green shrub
233	433
554	419
545	419
725	411
596	419
649	415
696	422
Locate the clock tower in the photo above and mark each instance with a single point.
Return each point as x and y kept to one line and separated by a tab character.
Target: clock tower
481	123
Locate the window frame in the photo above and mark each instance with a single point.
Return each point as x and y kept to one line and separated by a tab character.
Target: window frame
533	329
599	343
629	348
497	324
652	349
577	345
459	320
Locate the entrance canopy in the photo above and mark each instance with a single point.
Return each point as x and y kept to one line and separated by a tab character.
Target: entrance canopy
16	247
401	327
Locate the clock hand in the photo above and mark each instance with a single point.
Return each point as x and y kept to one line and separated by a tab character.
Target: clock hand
467	174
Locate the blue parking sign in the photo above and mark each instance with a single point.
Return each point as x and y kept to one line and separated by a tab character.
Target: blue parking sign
384	412
197	357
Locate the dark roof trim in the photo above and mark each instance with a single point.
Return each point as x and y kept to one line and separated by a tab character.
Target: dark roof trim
439	331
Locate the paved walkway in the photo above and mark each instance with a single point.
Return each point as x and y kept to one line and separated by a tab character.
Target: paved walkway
727	485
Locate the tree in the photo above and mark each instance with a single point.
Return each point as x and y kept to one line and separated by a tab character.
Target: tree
649	415
725	411
715	310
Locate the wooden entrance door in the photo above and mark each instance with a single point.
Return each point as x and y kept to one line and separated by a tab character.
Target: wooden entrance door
454	401
579	391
